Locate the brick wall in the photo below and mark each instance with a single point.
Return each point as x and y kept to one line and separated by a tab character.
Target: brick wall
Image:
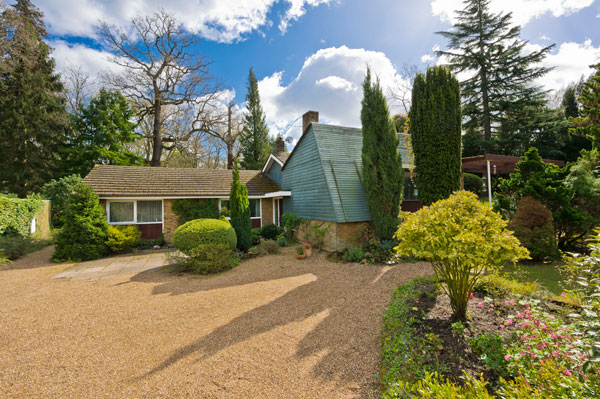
267	211
170	220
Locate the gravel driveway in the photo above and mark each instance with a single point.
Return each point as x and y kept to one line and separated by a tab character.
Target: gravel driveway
274	327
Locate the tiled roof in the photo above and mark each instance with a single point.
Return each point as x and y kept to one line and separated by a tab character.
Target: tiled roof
282	156
139	181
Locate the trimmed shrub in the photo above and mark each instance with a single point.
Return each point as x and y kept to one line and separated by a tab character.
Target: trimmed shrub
532	225
240	210
58	191
462	238
255	234
195	208
473	183
198	232
209	258
270	232
16	214
122	238
84	234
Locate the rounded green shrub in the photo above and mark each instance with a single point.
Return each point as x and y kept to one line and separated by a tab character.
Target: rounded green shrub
122	238
270	232
197	232
473	183
209	258
533	226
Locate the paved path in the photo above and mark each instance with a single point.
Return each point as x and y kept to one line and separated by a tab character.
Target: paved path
109	267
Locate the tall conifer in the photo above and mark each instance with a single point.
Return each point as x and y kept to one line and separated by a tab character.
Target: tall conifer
239	210
256	146
588	124
383	176
435	127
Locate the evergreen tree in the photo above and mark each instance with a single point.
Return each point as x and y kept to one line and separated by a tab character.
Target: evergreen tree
487	47
383	176
255	143
33	120
570	105
588	123
239	210
435	126
101	131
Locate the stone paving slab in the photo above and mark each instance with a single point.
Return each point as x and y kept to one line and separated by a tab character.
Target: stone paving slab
109	267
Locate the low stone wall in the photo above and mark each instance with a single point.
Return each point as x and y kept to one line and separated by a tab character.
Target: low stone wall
338	236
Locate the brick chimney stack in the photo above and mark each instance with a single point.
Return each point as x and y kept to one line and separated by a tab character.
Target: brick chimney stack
279	144
308	118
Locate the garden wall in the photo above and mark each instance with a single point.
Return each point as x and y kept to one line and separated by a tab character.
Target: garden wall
339	236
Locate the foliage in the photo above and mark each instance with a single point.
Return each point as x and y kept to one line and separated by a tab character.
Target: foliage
282	240
501	287
435	127
354	254
462	238
14	246
266	248
473	183
382	173
316	235
290	223
432	387
545	183
58	191
255	136
270	232
208	259
489	348
122	238
588	124
16	214
500	72
103	128
33	119
400	121
84	232
239	211
147	244
532	225
255	233
188	209
197	232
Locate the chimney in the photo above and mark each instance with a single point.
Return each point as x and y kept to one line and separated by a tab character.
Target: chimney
308	118
279	144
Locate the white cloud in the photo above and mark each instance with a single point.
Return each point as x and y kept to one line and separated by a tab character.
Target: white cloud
90	60
427	58
330	83
523	10
219	20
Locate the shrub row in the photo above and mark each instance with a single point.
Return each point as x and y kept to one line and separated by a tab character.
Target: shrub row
16	214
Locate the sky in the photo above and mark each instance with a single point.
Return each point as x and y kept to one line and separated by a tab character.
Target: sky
313	54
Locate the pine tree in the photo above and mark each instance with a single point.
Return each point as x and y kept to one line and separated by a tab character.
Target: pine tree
239	210
435	126
588	124
256	146
487	48
383	176
33	120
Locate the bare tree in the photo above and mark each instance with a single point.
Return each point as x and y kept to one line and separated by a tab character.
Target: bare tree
78	87
226	128
161	70
401	93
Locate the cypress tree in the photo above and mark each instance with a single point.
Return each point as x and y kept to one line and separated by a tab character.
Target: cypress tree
255	143
588	124
239	210
435	126
488	48
33	119
383	176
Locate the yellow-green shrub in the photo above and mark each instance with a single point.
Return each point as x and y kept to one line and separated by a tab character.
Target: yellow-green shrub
461	237
122	238
201	232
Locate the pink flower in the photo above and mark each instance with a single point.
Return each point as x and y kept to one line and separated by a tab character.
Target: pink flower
502	327
509	322
507	357
519	315
523	338
506	302
491	305
532	355
472	296
567	373
490	311
564	295
512	301
480	304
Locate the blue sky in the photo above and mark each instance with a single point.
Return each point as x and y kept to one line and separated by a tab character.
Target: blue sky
311	54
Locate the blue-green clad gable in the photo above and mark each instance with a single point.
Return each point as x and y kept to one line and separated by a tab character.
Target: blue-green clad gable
275	172
303	175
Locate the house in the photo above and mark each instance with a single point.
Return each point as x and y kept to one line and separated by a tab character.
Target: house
320	180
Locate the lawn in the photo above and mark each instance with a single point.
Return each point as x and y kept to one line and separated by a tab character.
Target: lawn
545	274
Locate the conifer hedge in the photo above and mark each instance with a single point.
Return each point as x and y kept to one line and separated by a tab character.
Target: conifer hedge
239	210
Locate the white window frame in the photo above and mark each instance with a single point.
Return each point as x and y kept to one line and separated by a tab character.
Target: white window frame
252	217
134	221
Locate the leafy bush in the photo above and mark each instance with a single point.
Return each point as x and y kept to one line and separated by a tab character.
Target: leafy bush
83	235
188	209
198	232
282	240
255	233
432	387
491	351
16	214
240	210
316	236
532	225
208	259
502	287
462	238
58	191
122	238
270	232
266	247
354	254
290	223
473	183
14	246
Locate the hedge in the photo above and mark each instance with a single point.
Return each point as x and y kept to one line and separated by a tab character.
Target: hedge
190	235
16	214
195	208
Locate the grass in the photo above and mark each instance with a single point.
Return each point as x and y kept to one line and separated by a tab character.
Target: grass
546	275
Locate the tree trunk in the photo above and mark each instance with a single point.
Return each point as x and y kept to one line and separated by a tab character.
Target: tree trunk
230	142
157	134
487	126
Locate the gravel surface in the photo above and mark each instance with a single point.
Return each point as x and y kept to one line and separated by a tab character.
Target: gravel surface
273	327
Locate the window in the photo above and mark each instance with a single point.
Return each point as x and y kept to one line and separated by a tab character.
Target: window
410	191
134	212
121	212
254	208
149	211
